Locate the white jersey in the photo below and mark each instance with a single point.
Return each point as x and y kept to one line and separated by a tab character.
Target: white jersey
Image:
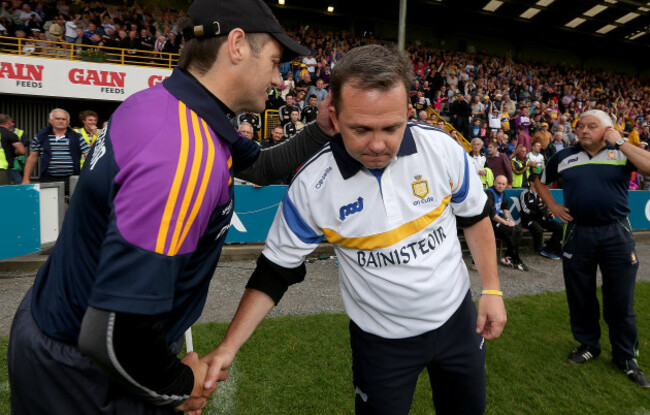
401	271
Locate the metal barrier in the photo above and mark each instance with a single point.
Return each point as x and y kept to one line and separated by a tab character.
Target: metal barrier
448	127
80	52
271	120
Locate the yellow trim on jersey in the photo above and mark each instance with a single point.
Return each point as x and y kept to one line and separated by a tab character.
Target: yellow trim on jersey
388	238
176	185
207	174
191	184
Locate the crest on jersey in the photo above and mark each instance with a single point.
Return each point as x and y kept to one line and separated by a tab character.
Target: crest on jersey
420	187
611	155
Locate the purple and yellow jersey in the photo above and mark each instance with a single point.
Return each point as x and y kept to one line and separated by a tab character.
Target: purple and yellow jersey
149	217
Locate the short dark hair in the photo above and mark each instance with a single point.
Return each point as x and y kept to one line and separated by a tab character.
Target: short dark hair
87	113
4	118
200	54
312	96
371	67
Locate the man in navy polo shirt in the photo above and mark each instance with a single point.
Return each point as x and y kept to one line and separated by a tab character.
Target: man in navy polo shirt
61	150
595	175
100	330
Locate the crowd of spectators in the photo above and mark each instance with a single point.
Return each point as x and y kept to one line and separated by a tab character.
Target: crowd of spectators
497	99
90	24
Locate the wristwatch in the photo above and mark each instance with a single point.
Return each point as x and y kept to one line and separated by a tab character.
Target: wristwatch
620	142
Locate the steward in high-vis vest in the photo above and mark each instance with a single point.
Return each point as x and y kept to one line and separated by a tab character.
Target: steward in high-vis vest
89	130
520	170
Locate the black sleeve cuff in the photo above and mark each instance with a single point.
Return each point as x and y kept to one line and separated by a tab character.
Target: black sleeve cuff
462	222
132	350
273	279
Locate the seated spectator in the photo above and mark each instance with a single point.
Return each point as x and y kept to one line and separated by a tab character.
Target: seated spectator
310	112
93	29
536	216
503	225
277	136
284	112
319	91
251	119
304	83
294	125
247	131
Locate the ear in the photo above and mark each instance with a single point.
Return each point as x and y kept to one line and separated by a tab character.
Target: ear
334	118
237	46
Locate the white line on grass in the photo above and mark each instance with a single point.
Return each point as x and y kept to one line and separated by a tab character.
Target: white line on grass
222	401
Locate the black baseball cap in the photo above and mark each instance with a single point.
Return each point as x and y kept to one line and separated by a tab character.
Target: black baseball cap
213	18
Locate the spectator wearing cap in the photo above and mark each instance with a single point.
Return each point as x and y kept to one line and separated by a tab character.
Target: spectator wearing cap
543	136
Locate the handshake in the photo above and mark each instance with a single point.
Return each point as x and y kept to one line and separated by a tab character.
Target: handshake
208	370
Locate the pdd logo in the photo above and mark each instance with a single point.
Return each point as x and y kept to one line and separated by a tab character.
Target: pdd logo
350	209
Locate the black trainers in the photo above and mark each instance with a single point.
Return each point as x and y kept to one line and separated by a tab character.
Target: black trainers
521	266
583	354
636	375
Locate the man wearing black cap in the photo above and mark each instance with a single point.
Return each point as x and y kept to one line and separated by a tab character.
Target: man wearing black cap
100	329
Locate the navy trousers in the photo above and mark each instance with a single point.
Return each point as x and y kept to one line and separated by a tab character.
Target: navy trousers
49	377
610	247
386	371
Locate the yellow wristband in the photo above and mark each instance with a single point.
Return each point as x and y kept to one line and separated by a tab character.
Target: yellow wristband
492	292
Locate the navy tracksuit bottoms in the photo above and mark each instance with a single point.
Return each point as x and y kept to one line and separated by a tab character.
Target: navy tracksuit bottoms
610	247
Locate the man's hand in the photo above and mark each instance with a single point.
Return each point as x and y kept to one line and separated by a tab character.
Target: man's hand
218	361
611	135
323	117
199	396
561	212
491	316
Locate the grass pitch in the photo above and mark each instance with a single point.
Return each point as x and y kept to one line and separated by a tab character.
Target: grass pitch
302	365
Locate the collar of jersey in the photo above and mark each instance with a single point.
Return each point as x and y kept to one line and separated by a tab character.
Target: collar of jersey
578	147
349	166
187	89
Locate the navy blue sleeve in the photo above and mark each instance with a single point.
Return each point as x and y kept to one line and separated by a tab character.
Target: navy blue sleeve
550	173
244	153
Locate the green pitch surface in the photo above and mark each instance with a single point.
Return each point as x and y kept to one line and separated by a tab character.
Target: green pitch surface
301	365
